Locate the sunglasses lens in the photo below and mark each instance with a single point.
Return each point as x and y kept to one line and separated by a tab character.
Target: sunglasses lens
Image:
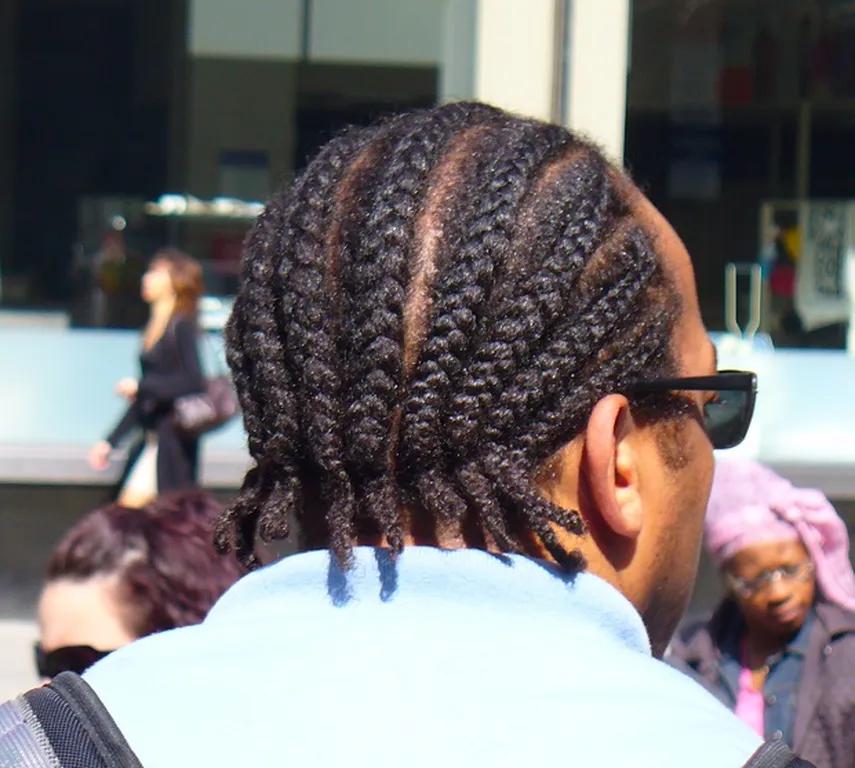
727	418
77	658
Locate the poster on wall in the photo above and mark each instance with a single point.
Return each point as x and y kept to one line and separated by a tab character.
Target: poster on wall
822	295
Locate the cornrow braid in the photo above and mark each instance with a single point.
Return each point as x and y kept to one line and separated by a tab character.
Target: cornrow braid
426	315
563	229
309	322
648	337
572	344
517	453
564	232
270	348
475	245
270	424
377	277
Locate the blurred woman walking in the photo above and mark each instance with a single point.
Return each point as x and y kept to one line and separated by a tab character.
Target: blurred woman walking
164	458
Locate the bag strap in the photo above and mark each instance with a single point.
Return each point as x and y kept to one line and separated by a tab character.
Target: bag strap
77	726
776	754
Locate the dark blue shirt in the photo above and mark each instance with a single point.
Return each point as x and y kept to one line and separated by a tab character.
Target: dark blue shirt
782	680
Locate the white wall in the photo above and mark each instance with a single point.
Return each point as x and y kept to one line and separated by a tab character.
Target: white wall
596	86
514	55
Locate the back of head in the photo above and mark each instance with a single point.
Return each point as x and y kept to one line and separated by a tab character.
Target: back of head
187	279
426	315
162	556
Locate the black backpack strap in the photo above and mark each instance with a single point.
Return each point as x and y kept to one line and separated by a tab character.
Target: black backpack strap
75	726
776	754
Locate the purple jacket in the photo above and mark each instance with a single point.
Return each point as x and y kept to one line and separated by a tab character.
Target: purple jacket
824	727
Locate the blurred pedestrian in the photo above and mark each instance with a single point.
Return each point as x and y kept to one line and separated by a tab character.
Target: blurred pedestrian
780	649
120	574
164	458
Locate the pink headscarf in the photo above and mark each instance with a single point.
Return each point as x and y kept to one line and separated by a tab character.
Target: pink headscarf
750	504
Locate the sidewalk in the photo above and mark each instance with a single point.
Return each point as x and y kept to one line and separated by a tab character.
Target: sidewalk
18	632
17	671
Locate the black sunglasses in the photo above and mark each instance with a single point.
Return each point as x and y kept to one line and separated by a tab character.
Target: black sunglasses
68	658
728	416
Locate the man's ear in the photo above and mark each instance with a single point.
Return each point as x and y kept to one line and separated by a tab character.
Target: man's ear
611	465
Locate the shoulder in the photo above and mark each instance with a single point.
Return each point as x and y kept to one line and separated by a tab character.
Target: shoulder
834	637
694	626
676	712
183	331
138	658
184	325
834	621
61	721
693	641
658	713
678	690
155	674
656	687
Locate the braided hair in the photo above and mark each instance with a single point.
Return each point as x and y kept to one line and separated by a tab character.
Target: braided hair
426	315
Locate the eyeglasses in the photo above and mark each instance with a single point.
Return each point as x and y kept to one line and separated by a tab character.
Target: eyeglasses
763	580
728	415
68	658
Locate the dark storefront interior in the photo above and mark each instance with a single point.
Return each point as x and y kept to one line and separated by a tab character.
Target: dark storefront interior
109	110
731	103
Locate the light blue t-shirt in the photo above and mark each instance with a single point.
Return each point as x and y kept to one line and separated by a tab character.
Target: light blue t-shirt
449	658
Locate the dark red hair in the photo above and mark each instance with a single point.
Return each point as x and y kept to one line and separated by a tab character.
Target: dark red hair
169	572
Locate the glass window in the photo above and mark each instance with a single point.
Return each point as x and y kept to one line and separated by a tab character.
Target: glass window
137	124
740	124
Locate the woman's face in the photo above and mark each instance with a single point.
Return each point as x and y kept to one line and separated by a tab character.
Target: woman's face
157	283
84	612
774	585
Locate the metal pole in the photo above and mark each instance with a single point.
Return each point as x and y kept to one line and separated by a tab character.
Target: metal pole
755	299
559	64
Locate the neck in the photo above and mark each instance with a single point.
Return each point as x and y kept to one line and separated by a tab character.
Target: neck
162	309
760	644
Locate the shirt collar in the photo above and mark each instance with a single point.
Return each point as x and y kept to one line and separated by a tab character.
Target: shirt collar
475	580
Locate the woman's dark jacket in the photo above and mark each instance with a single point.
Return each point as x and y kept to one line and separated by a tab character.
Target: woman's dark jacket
170	369
824	724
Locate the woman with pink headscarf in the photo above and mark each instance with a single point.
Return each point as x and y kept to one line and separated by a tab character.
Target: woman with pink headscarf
780	649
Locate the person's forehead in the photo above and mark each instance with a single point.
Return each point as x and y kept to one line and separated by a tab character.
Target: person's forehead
769	554
69	602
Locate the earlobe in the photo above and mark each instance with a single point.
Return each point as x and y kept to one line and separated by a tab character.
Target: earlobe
611	466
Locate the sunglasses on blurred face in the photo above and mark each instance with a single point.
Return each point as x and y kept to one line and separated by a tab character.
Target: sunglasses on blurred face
727	415
68	658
